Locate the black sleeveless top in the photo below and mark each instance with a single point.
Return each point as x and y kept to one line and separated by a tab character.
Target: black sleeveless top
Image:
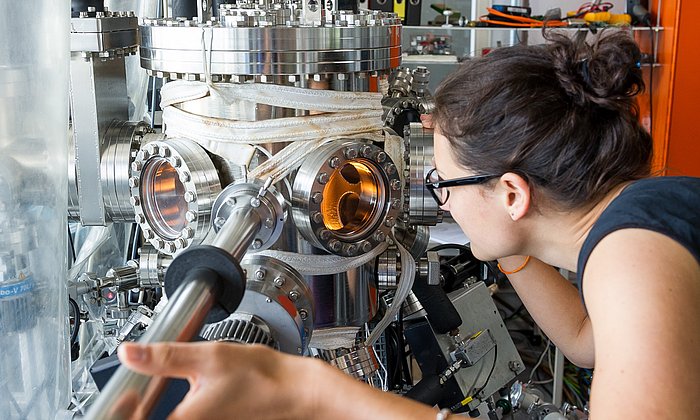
667	205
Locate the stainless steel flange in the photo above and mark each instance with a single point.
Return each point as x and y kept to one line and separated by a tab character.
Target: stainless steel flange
278	295
346	197
270	41
265	200
120	145
419	206
118	149
173	186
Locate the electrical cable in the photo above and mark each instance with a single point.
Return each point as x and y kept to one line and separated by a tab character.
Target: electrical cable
493	366
136	242
72	244
539	361
76	316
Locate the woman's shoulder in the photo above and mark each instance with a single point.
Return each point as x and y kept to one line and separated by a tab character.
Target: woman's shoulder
669	206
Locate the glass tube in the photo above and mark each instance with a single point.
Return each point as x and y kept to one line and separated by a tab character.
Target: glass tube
34	62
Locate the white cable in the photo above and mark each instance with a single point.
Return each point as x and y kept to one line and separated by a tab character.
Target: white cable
408	274
317	265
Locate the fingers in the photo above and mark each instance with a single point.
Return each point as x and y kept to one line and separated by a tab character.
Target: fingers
174	360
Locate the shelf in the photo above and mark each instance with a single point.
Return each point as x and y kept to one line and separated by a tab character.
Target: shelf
470	28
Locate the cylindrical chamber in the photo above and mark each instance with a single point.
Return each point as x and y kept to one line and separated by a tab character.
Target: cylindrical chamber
33	205
344	299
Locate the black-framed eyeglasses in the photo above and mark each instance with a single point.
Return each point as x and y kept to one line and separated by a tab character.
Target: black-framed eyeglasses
438	187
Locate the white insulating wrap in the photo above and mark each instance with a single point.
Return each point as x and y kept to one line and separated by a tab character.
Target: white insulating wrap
338	115
408	274
334	338
318	265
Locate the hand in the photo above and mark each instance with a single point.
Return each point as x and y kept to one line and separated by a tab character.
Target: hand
229	380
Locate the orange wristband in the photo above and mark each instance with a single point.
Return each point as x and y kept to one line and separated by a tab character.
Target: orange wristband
527	260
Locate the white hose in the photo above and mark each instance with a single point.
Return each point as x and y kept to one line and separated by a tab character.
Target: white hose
318	265
408	274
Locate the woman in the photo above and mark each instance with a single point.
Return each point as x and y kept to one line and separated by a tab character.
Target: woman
542	162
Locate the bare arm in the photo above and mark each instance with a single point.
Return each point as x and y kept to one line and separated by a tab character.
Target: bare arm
255	382
556	307
642	291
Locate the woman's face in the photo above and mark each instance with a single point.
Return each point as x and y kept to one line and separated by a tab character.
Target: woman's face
477	209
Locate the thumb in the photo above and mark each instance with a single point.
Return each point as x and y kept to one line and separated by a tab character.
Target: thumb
174	360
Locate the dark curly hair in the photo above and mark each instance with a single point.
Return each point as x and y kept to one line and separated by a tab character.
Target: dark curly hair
561	115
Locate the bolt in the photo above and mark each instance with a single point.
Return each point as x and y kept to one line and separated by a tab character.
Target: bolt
134	201
219	222
278	281
334	245
133	182
187	233
317	77
350	249
514	365
390	168
153	149
230	201
136	166
180	243
322	178
260	274
342	76
175	161
395	185
334	162
350	153
366	246
395	203
185	177
379	236
255	202
317	197
257	243
139	218
269	223
317	218
325	234
189	196
293	295
303	314
160	243
389	222
380	157
366	151
170	247
191	216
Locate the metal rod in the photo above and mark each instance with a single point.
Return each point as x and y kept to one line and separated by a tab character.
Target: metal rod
128	392
237	233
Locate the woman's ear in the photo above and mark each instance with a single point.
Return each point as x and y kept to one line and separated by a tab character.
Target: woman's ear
516	195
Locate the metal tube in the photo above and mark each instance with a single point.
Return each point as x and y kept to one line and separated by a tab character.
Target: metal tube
129	393
237	233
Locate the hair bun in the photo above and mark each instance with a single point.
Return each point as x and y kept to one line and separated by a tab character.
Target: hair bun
606	73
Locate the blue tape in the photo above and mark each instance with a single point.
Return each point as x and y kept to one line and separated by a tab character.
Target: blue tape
17	289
